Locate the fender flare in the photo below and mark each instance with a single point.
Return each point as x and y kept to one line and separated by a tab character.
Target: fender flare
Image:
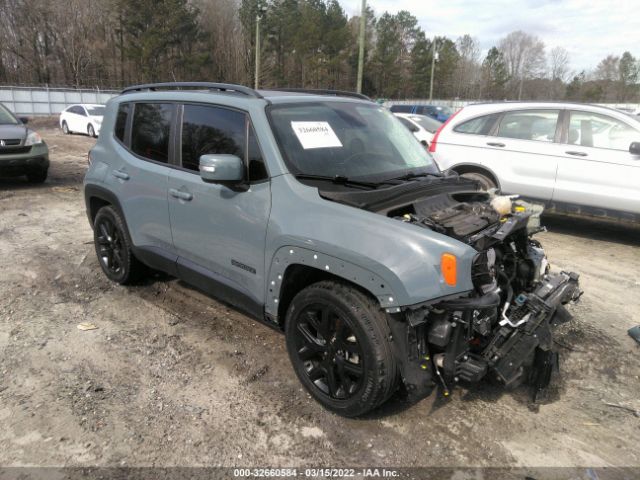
294	255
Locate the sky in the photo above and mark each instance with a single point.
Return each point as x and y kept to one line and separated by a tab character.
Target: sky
589	29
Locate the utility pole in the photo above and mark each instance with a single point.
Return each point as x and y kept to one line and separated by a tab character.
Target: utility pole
257	79
363	27
434	54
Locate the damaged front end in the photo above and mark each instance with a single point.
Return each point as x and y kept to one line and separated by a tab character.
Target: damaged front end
503	330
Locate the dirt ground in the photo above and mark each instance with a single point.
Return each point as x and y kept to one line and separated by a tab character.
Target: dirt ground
171	377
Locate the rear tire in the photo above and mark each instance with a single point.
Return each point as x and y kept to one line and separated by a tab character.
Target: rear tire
37	176
338	341
485	181
114	249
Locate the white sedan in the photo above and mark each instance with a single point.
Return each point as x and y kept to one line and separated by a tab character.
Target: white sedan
84	118
422	127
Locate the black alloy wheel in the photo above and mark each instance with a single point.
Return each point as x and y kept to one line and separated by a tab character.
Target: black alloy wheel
330	351
109	245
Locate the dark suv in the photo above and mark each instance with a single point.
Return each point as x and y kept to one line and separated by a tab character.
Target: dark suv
321	215
22	151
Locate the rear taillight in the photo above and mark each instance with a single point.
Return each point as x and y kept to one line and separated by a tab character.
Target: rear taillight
432	145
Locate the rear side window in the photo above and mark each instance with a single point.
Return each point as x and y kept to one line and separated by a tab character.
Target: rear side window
121	121
150	131
537	125
477	126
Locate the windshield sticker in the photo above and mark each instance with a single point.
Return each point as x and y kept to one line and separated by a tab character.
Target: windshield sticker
316	135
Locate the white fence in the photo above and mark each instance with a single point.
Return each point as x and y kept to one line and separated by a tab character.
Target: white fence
36	101
458	104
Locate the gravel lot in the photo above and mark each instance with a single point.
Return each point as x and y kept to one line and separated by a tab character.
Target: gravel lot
171	377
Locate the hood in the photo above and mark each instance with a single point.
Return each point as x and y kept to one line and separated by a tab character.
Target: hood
12	132
452	206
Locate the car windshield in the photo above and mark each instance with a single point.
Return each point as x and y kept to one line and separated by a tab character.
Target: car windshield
445	110
96	111
428	123
6	117
347	139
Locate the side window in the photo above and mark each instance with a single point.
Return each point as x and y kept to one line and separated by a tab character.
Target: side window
211	130
121	121
402	108
477	126
257	168
594	130
537	125
150	130
408	124
82	111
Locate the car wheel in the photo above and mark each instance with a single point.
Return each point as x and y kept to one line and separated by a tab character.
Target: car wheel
338	341
485	182
65	128
37	176
91	131
113	247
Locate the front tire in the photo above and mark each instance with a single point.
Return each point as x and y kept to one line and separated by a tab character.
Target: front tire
485	181
65	128
338	341
91	131
114	249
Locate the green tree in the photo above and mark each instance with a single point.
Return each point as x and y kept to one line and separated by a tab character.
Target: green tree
495	74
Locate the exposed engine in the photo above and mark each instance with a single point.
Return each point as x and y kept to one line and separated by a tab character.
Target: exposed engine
503	329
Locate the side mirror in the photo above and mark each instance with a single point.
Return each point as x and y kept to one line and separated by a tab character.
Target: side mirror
221	168
24	120
634	148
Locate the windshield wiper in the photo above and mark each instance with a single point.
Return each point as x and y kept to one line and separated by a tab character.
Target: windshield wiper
409	176
337	179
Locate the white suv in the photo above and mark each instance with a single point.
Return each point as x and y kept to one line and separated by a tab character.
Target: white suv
576	158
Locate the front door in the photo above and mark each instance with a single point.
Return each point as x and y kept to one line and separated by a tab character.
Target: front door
218	230
597	169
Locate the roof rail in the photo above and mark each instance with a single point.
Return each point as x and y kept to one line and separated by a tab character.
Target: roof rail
221	87
336	93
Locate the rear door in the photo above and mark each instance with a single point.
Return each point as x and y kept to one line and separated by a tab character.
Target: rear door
219	232
522	153
139	173
596	169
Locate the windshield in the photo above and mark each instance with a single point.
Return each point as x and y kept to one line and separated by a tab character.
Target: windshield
96	111
445	110
6	117
428	123
347	139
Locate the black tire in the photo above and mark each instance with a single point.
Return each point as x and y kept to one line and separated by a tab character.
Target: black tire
37	176
113	248
65	128
91	131
355	370
486	182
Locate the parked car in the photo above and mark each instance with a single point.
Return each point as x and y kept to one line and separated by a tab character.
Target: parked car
575	158
22	150
82	119
318	214
422	127
438	112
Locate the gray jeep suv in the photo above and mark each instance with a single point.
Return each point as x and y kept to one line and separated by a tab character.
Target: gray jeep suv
319	214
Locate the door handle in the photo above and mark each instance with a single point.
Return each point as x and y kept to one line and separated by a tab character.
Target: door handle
120	174
577	154
496	144
186	196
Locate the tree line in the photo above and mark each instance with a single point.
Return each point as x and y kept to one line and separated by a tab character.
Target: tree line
304	43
